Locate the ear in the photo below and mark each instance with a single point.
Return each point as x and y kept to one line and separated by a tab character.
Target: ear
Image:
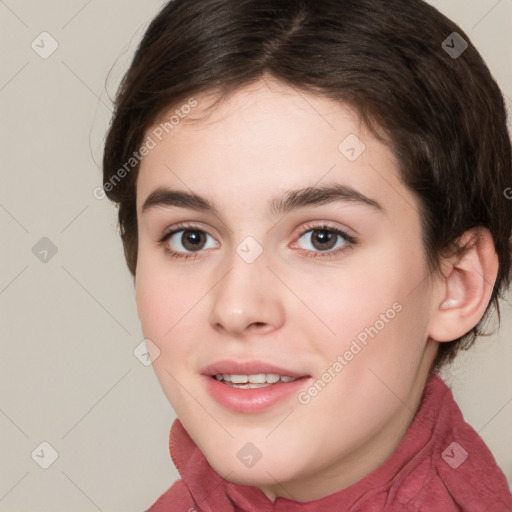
466	286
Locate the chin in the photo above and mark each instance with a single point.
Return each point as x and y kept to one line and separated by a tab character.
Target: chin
262	473
249	477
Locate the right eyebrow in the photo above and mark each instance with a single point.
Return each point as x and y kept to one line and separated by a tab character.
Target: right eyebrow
166	197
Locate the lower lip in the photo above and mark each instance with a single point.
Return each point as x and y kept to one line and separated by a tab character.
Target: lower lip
252	400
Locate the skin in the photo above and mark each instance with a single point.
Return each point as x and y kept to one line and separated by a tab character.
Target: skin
287	307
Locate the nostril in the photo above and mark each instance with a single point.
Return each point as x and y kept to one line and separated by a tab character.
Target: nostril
259	326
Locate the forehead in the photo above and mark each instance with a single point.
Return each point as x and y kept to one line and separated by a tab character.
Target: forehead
266	137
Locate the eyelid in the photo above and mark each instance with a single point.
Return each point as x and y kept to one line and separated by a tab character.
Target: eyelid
184	226
311	226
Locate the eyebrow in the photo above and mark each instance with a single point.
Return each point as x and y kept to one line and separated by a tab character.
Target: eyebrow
291	200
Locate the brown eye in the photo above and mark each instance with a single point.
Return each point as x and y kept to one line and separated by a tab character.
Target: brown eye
193	240
325	239
185	241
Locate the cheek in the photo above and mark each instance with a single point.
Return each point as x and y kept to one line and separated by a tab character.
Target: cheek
154	306
166	317
172	312
162	302
379	301
339	303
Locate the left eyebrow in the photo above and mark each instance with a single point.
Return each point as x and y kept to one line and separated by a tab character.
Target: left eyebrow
291	200
315	196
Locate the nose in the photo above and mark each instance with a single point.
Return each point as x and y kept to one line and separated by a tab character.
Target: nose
247	300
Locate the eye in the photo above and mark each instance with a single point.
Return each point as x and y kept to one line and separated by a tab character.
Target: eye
184	240
325	239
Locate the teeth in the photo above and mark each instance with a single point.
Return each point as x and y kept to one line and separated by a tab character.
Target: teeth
258	378
239	379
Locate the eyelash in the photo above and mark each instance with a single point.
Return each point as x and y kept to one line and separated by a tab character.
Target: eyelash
350	241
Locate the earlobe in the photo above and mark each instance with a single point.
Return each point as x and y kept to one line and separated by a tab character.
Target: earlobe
466	287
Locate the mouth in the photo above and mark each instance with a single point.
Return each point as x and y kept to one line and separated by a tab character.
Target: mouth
253	386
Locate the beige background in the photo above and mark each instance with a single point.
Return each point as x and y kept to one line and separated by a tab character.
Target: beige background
68	374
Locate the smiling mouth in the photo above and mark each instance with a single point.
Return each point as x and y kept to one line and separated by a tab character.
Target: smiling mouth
254	381
251	387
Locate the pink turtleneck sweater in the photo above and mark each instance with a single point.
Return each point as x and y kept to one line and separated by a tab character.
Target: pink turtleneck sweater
441	465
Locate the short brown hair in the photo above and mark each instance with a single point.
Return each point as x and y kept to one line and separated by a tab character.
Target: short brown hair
397	63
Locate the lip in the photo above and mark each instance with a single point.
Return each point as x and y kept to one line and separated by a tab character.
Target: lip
251	400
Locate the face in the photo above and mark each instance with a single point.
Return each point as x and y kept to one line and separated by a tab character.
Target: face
282	245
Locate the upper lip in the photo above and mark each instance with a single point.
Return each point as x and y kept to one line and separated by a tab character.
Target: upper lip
248	368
